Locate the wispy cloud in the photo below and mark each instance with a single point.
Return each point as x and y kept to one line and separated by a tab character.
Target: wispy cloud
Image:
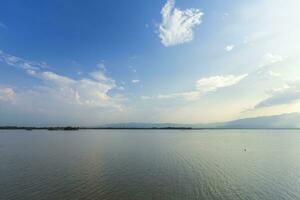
206	85
101	66
7	94
132	69
84	91
177	25
99	75
145	97
135	81
229	47
20	62
214	83
274	74
288	93
274	58
90	91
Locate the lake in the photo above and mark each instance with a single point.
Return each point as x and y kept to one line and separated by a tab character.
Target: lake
149	164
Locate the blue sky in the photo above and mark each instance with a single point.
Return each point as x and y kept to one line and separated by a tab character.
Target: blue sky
184	61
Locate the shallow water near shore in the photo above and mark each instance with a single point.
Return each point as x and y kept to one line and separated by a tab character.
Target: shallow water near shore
150	164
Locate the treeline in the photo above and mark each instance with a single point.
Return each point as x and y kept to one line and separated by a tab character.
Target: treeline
70	128
38	128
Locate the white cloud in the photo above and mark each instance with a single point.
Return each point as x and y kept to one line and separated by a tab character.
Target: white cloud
145	97
281	89
225	15
121	88
99	76
21	63
274	58
62	90
190	96
135	81
84	91
215	82
101	66
206	85
274	74
177	25
271	59
7	94
288	93
229	47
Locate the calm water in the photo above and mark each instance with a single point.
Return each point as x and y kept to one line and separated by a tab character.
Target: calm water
150	164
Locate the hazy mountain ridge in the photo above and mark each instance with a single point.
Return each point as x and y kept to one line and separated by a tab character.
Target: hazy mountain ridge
289	120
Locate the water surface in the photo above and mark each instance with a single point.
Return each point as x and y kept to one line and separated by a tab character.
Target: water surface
150	164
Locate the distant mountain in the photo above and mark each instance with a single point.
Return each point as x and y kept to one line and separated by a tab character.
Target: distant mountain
289	120
144	125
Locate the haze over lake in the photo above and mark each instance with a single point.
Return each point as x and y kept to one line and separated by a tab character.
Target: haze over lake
150	164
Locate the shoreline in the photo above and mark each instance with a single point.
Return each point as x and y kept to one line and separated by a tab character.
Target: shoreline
135	128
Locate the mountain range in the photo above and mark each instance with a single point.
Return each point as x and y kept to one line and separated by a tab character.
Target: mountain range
288	120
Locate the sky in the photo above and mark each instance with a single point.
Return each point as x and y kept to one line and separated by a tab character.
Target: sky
185	61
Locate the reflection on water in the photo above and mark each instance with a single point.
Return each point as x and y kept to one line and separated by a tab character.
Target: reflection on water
150	164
